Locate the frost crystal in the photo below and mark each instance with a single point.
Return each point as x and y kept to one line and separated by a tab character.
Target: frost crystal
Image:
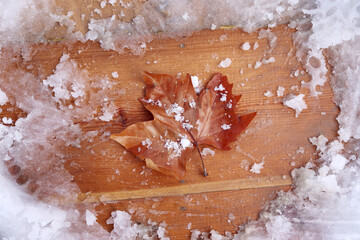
90	218
226	126
295	102
256	167
195	83
245	46
147	143
225	63
7	120
3	98
219	88
257	65
207	151
268	94
280	91
115	75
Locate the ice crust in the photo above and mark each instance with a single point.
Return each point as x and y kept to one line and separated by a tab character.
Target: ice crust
325	200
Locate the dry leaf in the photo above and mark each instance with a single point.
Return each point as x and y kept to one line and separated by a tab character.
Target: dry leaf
182	121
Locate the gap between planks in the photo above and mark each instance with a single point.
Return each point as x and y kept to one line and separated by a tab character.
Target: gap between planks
183	189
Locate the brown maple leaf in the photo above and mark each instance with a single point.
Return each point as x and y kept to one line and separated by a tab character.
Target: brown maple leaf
182	121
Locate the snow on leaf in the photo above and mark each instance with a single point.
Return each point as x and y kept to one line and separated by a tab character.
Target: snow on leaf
179	127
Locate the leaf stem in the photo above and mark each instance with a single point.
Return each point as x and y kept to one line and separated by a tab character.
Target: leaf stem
197	147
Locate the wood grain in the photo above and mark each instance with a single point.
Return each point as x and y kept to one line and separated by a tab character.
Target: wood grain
111	178
184	189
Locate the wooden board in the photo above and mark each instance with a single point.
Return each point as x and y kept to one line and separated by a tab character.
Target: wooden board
111	178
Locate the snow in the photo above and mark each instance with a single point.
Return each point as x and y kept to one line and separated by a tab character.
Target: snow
125	229
3	98
176	111
219	88
257	64
185	16
320	142
90	218
195	81
114	74
108	112
223	97
225	63
147	143
226	126
280	91
267	61
64	83
207	151
7	120
185	143
295	102
338	163
268	94
246	46
256	167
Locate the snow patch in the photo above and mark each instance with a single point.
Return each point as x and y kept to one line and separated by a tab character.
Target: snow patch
256	167
225	63
295	102
3	98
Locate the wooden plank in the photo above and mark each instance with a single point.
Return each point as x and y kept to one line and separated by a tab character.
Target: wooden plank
220	211
103	168
227	185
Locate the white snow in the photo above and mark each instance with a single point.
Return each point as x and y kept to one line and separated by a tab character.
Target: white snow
7	120
223	97
267	61
295	102
320	142
67	82
226	126
90	218
268	93
176	111
3	98
185	142
196	83
338	163
185	16
103	3
280	91
256	167
125	229
147	143
245	46
207	151
225	63
114	74
175	148
257	64
219	88
108	112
